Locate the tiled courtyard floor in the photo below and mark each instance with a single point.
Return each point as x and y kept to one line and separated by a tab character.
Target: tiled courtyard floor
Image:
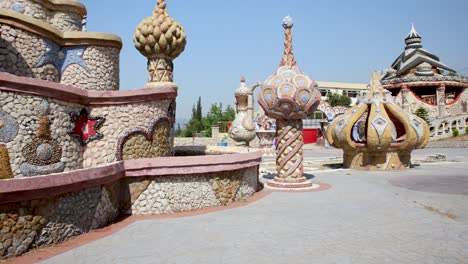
413	216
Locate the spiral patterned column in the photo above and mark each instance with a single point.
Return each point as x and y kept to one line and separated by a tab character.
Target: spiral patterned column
290	170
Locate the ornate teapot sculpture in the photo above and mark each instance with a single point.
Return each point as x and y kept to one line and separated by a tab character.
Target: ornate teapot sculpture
243	127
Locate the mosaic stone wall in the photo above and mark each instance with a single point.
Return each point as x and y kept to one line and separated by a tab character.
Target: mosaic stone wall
29	55
64	21
43	222
414	104
39	223
452	110
457	108
25	111
171	194
119	121
103	73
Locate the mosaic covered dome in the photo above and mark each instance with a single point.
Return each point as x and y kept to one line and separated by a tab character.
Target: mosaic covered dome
159	35
289	93
377	133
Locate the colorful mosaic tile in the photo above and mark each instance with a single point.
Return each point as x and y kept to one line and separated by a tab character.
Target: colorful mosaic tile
18	7
61	58
5	167
8	127
140	143
86	126
43	154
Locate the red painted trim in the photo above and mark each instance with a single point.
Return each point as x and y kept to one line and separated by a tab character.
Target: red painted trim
413	84
456	99
421	100
37	87
24	189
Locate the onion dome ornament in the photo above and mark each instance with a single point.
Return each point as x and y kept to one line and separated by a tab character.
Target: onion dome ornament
161	39
289	96
377	134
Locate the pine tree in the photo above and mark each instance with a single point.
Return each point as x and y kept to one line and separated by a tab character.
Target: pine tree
423	114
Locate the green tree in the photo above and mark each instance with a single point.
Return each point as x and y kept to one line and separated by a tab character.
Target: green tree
215	114
178	131
200	124
335	99
229	114
423	114
199	114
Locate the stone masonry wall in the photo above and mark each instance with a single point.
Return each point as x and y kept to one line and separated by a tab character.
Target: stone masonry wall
26	110
103	73
453	109
171	194
119	120
64	21
87	67
456	108
44	222
414	104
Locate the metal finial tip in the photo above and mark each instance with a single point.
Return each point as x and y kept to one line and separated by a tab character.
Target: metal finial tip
242	79
288	22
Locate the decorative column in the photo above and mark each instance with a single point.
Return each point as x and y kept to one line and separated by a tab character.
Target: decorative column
289	96
289	157
441	101
404	98
160	39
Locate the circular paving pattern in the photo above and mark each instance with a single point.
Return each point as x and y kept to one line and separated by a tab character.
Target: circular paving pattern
454	184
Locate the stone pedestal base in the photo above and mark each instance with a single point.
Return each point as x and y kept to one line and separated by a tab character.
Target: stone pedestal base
306	185
377	161
290	185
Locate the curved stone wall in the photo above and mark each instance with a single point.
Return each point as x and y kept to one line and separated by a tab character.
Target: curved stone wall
25	109
64	15
41	211
26	102
457	108
86	60
119	121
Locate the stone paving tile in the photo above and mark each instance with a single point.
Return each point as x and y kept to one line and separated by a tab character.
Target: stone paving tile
362	219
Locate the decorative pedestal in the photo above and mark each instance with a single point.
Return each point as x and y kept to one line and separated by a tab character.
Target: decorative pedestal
266	142
290	170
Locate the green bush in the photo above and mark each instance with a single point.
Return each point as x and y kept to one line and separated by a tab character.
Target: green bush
466	129
455	133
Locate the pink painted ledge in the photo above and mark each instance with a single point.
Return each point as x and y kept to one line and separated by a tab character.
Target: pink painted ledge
38	87
24	189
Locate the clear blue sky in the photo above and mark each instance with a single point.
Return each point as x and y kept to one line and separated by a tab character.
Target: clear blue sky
342	41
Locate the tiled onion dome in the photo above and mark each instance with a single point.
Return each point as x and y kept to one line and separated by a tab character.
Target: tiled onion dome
289	93
160	36
377	133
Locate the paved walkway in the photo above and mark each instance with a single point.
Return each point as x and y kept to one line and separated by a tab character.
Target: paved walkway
365	217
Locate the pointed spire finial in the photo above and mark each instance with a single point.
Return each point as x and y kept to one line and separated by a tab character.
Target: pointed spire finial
288	57
413	40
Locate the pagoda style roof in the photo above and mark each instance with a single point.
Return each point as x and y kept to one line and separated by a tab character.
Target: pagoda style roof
413	56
